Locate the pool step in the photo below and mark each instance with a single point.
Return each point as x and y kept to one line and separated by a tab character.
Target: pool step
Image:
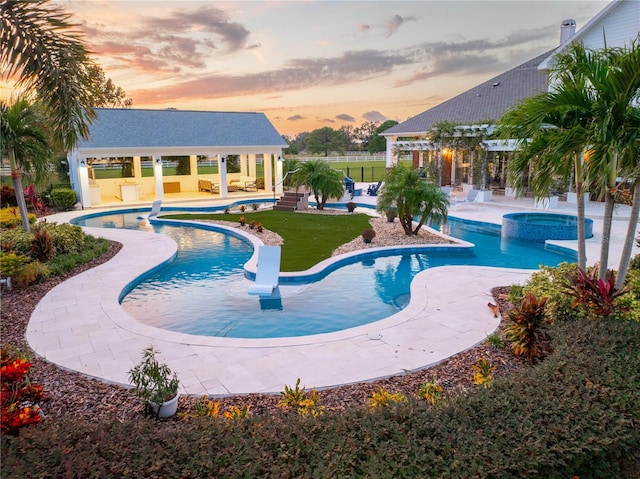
292	201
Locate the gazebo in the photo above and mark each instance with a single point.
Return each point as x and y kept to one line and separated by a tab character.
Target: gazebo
137	155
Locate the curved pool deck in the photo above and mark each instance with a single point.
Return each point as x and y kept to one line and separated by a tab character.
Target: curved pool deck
80	326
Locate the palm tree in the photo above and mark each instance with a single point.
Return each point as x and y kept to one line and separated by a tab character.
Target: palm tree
22	137
324	181
592	106
551	136
614	83
412	196
40	45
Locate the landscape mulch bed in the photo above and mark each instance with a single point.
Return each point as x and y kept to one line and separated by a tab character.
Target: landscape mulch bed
70	394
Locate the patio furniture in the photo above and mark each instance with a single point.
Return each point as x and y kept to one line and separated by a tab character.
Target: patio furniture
245	183
268	271
373	189
472	197
205	184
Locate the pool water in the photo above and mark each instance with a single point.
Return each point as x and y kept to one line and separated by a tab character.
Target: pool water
203	292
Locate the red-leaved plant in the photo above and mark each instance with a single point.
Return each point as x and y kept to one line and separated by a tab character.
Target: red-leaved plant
20	398
596	295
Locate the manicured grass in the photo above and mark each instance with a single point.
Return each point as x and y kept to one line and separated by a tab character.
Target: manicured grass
308	238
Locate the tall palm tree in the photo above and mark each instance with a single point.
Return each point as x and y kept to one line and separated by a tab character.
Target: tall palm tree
406	191
614	81
551	132
41	47
324	181
593	105
22	137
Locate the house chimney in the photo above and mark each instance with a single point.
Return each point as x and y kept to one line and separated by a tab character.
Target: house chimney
567	30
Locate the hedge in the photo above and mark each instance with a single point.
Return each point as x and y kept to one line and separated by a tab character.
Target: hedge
574	414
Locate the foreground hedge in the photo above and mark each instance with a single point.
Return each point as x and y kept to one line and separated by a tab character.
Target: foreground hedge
575	414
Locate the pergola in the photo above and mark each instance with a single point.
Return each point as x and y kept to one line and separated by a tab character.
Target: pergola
146	136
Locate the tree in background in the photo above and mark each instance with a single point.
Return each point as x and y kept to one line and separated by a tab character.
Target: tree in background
379	143
105	93
412	196
325	140
348	137
23	137
323	181
365	133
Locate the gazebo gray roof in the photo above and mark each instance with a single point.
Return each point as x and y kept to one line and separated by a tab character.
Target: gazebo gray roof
158	129
482	103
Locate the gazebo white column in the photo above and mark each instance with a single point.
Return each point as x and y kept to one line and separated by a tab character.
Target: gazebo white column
83	179
243	165
252	165
157	174
279	188
222	171
389	153
268	173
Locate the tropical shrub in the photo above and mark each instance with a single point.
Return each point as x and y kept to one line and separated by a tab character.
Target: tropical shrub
550	282
20	398
10	217
526	327
12	263
382	398
483	372
42	247
67	238
297	399
628	304
595	296
15	240
31	272
8	196
64	198
431	392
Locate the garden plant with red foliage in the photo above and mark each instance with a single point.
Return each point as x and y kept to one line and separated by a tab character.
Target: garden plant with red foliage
20	398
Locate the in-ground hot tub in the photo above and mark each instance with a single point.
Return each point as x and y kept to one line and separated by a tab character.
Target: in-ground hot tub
539	227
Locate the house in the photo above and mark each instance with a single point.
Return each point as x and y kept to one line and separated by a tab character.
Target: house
475	111
136	154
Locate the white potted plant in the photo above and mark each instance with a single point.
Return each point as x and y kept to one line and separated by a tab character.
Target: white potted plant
155	384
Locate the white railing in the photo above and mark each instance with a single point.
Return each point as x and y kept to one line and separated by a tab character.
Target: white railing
340	159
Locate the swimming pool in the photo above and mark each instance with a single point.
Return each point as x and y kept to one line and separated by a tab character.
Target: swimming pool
203	292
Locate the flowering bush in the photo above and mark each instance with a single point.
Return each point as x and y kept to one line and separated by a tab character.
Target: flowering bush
19	397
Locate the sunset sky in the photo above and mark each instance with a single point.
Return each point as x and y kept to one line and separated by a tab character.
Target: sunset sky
309	64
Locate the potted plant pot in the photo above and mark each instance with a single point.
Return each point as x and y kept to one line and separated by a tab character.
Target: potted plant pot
167	408
155	384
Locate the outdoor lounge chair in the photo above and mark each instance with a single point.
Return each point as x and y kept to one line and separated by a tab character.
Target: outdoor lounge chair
472	197
268	271
373	189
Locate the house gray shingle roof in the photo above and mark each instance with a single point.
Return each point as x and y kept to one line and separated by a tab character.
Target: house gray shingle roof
133	128
482	102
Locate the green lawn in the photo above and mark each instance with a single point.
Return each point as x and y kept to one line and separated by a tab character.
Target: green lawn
308	238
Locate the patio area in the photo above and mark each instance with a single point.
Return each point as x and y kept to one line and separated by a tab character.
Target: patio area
80	325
